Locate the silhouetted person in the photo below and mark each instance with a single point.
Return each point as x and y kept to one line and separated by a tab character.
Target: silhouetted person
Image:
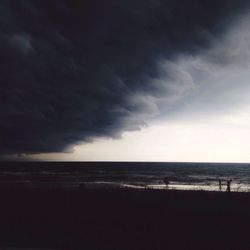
166	181
220	184
229	186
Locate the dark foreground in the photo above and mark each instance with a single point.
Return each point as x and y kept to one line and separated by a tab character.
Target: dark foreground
124	219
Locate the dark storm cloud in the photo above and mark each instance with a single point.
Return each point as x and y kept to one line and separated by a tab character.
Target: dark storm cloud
74	70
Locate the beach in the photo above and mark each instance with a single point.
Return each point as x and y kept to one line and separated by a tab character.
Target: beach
123	219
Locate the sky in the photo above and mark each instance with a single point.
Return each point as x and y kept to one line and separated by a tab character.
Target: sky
141	80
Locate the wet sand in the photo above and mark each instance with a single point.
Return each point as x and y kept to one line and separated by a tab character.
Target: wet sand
124	219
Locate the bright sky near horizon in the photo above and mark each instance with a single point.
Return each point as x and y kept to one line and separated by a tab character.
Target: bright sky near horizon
221	140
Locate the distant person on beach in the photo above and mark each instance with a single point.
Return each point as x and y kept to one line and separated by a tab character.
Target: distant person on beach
166	181
220	184
229	186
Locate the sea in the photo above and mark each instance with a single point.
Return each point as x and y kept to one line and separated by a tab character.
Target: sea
137	175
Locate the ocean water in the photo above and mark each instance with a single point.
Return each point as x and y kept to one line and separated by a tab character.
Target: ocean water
72	175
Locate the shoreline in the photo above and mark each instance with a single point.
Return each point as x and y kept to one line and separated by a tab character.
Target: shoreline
96	185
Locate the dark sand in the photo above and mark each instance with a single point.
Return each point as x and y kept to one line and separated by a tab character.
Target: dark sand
124	219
